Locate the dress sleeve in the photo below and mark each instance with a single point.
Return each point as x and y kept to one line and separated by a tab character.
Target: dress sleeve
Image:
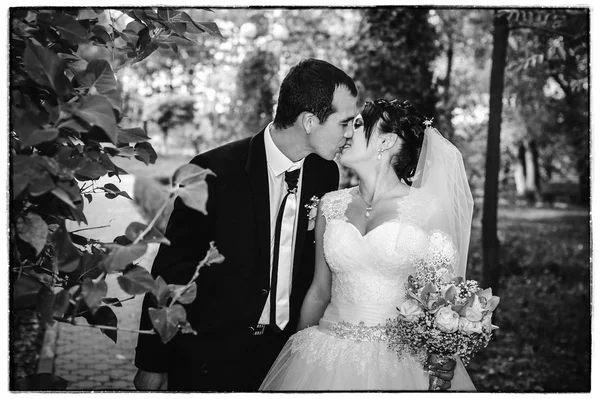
334	204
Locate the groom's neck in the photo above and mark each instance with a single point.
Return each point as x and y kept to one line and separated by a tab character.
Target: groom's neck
292	142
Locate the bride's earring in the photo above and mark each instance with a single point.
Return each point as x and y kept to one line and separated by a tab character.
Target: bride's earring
379	152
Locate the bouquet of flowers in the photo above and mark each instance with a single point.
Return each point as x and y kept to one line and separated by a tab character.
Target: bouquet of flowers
441	319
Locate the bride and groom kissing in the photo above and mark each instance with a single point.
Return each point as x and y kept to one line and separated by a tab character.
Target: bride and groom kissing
299	301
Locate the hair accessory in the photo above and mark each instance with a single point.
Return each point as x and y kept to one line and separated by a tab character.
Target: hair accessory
428	122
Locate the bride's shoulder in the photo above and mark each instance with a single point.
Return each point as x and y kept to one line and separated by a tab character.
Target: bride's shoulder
334	203
334	196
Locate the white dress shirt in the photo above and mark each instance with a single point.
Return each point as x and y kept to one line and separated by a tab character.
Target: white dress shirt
277	165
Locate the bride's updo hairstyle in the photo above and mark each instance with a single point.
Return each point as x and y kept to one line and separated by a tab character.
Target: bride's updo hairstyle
402	119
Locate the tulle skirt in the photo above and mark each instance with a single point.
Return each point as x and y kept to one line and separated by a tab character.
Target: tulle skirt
316	360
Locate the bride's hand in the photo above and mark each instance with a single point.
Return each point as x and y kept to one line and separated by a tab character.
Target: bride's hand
444	372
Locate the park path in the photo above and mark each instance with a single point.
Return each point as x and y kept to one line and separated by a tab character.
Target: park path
84	356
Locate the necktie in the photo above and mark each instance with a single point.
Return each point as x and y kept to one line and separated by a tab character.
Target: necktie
282	253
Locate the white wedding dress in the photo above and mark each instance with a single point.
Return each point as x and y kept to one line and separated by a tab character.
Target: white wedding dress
348	349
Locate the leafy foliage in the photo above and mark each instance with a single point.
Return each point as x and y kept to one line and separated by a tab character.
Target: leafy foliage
67	124
393	51
256	90
548	83
544	343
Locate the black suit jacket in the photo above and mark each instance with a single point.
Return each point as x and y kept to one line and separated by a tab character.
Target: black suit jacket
231	295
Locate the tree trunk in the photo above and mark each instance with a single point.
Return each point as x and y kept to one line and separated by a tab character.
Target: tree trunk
489	222
446	112
520	173
532	171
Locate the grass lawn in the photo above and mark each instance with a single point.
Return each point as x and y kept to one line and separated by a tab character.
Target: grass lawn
544	340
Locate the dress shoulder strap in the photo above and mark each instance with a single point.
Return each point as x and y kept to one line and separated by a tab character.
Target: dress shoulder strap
335	203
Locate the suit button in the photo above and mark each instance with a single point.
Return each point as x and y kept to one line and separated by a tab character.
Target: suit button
264	292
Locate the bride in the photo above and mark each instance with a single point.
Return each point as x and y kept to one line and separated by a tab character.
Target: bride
410	215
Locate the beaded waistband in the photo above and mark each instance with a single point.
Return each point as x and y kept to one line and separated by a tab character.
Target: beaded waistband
355	332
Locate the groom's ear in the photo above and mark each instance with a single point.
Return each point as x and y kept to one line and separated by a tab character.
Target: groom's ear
307	120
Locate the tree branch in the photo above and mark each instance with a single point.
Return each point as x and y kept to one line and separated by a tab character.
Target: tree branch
66	321
546	30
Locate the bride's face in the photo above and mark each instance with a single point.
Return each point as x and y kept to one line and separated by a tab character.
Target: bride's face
357	150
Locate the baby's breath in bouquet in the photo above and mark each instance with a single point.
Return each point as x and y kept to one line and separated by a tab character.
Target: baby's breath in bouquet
441	319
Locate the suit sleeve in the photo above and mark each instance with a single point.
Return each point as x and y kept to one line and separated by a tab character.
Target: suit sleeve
190	233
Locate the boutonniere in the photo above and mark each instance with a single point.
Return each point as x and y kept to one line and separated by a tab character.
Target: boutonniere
311	211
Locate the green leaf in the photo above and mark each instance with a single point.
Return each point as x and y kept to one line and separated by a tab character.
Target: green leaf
131	135
166	321
46	69
136	281
68	28
213	256
149	154
45	304
190	174
97	111
134	27
63	196
67	256
191	186
93	292
122	255
41	184
136	228
99	78
25	291
78	239
187	296
100	33
89	264
200	27
161	291
21	174
32	229
186	328
42	382
40	136
126	152
87	13
211	28
89	170
113	191
104	316
61	303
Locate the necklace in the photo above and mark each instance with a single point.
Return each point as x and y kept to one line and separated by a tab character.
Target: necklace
369	208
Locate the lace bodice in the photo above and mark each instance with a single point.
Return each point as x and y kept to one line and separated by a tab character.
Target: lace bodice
369	272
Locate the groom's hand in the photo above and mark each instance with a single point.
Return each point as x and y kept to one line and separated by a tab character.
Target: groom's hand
148	381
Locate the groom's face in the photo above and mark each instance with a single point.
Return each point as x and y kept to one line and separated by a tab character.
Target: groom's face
329	138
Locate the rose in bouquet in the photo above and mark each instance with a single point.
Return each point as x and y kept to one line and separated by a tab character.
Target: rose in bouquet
442	319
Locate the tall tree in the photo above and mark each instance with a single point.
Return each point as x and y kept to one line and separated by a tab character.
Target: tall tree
489	221
256	89
392	54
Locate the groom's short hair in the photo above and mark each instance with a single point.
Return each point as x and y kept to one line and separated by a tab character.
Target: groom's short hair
309	87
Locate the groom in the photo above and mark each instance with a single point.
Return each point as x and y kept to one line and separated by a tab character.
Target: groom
248	306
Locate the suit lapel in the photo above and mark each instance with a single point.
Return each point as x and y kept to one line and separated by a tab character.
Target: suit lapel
308	190
256	167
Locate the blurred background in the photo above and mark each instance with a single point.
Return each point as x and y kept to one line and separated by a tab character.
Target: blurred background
195	96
